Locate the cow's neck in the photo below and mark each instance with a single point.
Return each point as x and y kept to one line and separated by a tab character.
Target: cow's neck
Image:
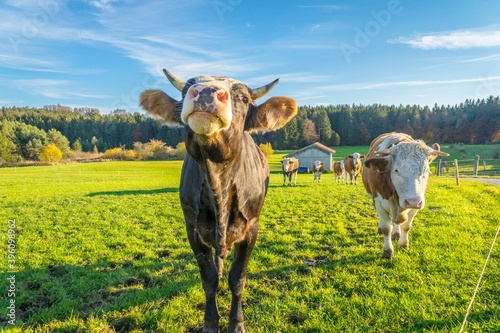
217	148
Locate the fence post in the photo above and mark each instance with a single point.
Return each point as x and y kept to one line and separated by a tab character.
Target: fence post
456	172
439	171
484	165
476	164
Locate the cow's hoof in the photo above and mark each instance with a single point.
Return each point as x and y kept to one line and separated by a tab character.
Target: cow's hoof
238	328
388	254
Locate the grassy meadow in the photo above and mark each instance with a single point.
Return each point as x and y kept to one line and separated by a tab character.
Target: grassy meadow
101	247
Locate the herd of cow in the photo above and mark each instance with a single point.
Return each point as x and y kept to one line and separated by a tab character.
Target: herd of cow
225	176
349	166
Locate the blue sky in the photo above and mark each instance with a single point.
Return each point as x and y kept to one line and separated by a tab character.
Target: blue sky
103	53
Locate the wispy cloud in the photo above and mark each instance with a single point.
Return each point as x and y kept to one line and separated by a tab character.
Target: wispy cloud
446	62
382	85
460	39
45	87
55	88
329	8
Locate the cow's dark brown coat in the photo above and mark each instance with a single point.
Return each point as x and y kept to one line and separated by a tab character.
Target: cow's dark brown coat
223	183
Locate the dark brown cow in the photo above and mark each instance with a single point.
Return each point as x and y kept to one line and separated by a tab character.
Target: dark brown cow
224	177
318	168
395	175
352	165
290	167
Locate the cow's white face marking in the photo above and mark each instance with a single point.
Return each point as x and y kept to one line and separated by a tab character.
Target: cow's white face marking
207	106
409	174
342	164
287	165
356	157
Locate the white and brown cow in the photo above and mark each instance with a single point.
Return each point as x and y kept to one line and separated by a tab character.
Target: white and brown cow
395	175
224	176
318	168
352	165
290	167
338	168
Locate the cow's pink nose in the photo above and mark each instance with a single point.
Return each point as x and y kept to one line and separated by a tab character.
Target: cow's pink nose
222	95
413	203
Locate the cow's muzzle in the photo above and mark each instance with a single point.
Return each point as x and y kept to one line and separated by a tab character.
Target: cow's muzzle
416	203
207	108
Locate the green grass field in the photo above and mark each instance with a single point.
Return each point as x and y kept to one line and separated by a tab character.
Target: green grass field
101	247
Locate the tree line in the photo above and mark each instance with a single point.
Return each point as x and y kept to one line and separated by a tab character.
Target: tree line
471	122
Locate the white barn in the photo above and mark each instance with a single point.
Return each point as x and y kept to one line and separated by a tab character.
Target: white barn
315	152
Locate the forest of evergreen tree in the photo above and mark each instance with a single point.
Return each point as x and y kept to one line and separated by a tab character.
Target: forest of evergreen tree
471	122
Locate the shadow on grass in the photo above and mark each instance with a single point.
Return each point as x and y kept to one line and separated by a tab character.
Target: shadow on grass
134	192
291	186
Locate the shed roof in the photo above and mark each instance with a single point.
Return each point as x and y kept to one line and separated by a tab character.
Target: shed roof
316	145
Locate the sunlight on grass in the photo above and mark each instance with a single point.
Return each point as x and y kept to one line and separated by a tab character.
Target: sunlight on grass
101	247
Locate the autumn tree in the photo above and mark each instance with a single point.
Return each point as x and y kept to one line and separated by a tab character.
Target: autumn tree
267	148
51	153
309	134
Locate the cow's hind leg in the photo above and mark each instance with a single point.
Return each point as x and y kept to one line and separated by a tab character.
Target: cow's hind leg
209	280
237	280
396	232
404	241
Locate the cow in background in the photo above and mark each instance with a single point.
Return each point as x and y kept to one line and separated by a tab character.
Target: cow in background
318	168
290	167
395	175
338	168
224	177
352	165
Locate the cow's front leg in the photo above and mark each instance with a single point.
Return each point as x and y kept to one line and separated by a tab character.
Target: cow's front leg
237	279
209	280
404	240
384	228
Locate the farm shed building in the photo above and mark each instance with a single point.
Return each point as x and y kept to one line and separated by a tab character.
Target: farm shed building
314	152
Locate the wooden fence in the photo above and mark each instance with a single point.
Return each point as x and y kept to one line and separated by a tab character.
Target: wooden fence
469	167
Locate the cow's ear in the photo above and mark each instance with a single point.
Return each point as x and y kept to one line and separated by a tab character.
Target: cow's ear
271	115
361	156
160	105
379	164
350	156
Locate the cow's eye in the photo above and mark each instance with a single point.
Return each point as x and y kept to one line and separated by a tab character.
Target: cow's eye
244	99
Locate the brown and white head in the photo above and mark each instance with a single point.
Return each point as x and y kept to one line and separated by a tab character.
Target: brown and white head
408	165
212	105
